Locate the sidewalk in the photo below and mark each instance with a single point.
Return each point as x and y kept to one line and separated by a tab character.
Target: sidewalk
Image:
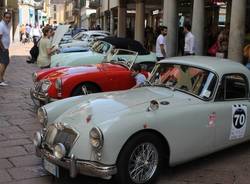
18	164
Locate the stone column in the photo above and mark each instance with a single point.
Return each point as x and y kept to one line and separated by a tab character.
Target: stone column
111	22
105	22
139	21
198	25
121	30
228	13
170	20
237	30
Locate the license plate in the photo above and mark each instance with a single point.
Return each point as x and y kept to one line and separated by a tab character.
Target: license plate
51	168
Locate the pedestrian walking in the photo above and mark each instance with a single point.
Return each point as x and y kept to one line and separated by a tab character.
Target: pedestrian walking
189	40
28	30
4	46
36	32
22	32
161	44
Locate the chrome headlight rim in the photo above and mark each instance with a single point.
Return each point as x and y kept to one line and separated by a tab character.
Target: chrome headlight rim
34	77
37	139
58	84
59	151
96	138
42	116
45	85
153	106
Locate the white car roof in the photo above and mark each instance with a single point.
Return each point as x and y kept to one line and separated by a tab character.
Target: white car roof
90	33
218	65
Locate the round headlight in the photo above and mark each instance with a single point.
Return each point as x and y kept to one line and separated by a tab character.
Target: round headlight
34	77
37	140
96	138
45	86
59	151
58	84
42	116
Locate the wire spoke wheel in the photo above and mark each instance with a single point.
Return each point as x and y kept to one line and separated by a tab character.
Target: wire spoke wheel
143	163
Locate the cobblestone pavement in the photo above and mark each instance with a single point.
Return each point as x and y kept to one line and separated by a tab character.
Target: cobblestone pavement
19	165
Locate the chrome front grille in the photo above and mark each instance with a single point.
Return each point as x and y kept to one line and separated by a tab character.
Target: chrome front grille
38	86
65	135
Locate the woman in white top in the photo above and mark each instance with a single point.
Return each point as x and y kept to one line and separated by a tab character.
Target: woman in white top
45	48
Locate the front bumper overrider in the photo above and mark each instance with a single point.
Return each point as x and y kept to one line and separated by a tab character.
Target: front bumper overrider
75	166
38	97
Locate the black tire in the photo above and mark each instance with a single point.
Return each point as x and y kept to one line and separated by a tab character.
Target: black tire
90	88
130	150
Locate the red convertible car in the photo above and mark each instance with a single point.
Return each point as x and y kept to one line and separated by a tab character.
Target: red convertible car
62	82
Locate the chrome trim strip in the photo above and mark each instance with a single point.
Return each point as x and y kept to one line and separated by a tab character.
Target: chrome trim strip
76	166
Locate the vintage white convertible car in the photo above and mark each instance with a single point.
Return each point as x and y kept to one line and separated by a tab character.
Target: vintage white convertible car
83	39
99	52
190	107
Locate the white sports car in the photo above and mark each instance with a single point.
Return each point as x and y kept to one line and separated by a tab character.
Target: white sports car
190	107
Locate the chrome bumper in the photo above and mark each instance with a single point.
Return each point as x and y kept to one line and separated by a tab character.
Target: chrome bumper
40	97
76	166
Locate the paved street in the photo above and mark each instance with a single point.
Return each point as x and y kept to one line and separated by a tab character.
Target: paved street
19	165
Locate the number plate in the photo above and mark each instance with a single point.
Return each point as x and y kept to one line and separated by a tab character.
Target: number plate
52	168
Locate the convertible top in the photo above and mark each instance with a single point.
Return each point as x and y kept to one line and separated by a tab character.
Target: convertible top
125	43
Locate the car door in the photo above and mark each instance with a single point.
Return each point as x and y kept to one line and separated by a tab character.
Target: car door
232	110
120	80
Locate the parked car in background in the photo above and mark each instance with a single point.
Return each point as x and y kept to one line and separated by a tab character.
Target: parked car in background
192	106
73	49
63	82
99	52
83	39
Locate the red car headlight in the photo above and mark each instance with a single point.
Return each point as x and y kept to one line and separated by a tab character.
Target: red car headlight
45	86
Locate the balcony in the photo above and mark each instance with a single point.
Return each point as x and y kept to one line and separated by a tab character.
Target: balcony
38	6
94	4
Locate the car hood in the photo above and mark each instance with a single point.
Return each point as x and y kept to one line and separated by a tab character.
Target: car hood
60	31
74	70
66	59
74	42
74	49
106	106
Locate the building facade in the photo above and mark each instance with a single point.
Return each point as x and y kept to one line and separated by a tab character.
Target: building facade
129	18
87	13
57	12
73	12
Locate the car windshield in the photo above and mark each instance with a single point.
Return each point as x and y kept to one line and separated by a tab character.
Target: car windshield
198	82
122	57
78	36
100	47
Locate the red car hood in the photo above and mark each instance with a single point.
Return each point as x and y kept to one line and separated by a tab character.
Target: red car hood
84	69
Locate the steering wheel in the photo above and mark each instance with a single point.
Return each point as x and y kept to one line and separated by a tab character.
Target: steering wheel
123	61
